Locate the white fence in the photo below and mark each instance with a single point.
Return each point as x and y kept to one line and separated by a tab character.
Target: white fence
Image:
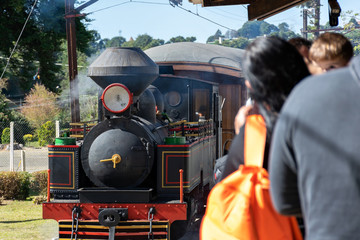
15	156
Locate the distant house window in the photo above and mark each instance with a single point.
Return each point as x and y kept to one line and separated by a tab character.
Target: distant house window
173	98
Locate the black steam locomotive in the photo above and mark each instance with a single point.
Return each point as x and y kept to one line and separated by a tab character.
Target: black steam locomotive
145	169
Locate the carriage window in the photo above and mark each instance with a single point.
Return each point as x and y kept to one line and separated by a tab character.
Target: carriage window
201	104
173	98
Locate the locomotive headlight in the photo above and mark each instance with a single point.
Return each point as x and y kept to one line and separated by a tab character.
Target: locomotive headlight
116	98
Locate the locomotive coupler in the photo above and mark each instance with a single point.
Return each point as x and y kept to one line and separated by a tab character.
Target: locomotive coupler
110	217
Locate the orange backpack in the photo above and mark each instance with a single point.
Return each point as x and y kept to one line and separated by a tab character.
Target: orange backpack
239	207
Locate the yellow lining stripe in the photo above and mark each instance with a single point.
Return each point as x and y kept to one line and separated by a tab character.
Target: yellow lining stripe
93	239
117	227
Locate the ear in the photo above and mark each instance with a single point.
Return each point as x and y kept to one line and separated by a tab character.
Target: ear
247	84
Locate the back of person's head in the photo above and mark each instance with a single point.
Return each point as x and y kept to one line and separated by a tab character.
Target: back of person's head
302	45
331	47
273	67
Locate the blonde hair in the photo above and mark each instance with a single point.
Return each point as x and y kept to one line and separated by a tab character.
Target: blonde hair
331	46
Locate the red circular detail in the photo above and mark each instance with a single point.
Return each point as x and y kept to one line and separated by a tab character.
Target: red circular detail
124	87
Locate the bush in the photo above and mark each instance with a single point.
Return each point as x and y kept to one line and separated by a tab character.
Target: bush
14	185
38	184
46	133
21	127
28	138
5	137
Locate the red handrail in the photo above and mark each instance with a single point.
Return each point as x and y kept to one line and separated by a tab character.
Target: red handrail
181	186
48	186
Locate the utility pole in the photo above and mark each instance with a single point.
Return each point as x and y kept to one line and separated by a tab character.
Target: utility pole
317	18
304	30
72	58
70	14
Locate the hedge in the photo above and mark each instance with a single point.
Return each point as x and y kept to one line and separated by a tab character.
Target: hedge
19	185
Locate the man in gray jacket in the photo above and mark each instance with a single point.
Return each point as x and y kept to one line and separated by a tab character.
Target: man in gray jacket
315	155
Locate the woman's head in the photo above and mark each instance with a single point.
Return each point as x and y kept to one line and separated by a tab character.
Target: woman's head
273	67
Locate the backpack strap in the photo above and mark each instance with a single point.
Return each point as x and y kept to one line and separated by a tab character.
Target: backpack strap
254	140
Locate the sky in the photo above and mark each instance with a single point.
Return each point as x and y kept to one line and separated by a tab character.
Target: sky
160	20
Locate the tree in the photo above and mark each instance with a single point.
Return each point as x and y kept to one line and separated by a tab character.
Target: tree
268	29
5	113
215	36
40	106
181	39
250	29
285	32
230	34
39	46
236	43
144	42
115	42
352	32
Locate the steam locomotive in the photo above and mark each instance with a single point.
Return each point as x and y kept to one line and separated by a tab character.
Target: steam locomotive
144	171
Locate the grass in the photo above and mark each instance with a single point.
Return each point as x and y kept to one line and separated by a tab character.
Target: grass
22	220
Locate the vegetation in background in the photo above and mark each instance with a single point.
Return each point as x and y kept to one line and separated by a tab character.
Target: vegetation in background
38	185
14	185
39	48
28	138
5	136
19	185
40	106
46	133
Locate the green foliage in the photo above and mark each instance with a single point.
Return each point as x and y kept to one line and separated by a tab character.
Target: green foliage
5	136
115	42
214	37
144	42
28	138
89	107
236	43
39	199
39	47
284	32
353	34
5	113
14	185
181	39
38	184
250	29
357	50
46	133
21	127
40	106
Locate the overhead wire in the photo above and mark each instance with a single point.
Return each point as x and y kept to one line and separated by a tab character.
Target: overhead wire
17	41
227	12
129	1
157	3
207	19
226	16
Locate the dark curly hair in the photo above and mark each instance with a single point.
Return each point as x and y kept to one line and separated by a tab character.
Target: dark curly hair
273	67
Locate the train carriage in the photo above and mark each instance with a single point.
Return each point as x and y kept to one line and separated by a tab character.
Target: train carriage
144	171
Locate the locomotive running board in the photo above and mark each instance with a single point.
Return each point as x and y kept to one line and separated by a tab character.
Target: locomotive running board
138	230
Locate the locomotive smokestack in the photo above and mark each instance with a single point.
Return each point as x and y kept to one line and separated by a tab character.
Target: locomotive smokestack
128	66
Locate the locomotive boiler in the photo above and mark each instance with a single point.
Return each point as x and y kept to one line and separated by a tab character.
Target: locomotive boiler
144	171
